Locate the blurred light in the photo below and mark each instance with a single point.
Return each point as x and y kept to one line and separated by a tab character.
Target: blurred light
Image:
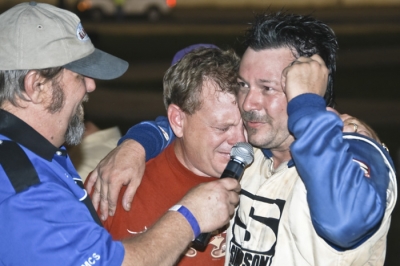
171	3
84	5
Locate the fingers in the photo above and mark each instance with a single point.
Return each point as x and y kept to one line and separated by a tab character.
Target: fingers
213	203
112	197
124	165
231	184
90	181
305	75
91	188
109	191
96	198
103	188
317	58
129	193
354	125
351	127
234	197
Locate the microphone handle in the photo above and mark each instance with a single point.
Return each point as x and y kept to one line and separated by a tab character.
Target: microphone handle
234	169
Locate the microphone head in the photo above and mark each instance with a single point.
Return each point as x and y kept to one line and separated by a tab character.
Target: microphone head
243	152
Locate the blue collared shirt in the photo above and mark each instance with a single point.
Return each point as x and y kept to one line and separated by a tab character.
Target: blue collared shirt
47	223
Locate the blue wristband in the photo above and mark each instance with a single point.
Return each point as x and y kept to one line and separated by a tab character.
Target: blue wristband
189	217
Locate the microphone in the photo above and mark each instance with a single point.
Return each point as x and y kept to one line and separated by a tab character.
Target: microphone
241	156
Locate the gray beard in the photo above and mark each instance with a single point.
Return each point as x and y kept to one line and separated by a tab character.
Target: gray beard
76	128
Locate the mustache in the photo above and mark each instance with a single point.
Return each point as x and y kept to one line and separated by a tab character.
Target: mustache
254	117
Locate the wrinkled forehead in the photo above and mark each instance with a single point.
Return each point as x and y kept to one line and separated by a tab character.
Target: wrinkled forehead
211	93
256	64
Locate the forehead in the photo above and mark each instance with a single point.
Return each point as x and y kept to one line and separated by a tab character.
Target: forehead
268	61
216	103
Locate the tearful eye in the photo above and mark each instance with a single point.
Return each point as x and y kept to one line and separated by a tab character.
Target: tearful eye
242	84
223	129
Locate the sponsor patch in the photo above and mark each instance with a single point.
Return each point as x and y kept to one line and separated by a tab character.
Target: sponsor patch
241	257
81	33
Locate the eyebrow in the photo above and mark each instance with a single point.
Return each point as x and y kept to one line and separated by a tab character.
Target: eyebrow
240	77
223	125
268	81
259	80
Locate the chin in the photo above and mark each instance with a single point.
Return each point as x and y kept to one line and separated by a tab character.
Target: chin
222	165
258	142
224	158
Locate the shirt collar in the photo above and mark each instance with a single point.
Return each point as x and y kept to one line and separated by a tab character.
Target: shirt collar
267	153
19	131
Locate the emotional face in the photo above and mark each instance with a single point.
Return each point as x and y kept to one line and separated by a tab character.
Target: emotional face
210	132
261	100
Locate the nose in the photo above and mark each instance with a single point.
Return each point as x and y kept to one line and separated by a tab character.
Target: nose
251	100
90	84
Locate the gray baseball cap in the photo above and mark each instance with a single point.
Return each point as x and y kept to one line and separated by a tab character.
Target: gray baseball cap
37	36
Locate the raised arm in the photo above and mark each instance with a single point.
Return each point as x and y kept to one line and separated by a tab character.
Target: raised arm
346	178
126	163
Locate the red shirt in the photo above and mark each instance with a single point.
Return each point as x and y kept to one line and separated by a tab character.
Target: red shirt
164	183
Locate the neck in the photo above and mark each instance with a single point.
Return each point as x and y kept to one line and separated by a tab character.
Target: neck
41	121
280	156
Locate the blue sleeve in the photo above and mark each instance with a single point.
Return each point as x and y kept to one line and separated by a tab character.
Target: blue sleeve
154	136
346	180
48	225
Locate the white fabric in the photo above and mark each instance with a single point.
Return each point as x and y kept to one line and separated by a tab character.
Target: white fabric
297	243
93	149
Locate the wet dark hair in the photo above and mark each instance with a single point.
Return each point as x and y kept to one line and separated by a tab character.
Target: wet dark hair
304	35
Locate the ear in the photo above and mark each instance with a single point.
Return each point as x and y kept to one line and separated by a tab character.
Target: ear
34	86
176	119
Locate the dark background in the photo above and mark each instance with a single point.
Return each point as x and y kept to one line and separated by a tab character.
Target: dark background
367	81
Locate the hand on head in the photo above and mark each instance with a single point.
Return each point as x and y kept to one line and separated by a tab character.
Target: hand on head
305	75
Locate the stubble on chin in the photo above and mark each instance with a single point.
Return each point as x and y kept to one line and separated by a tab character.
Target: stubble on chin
251	133
256	140
255	135
76	126
75	130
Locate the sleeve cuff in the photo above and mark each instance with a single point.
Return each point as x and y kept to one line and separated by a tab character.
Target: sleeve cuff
148	136
303	105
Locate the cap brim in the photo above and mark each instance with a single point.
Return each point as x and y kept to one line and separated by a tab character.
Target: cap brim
99	65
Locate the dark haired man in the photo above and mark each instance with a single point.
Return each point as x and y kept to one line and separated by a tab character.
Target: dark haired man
316	184
314	195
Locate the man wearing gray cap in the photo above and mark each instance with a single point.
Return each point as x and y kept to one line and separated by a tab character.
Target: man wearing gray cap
47	67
